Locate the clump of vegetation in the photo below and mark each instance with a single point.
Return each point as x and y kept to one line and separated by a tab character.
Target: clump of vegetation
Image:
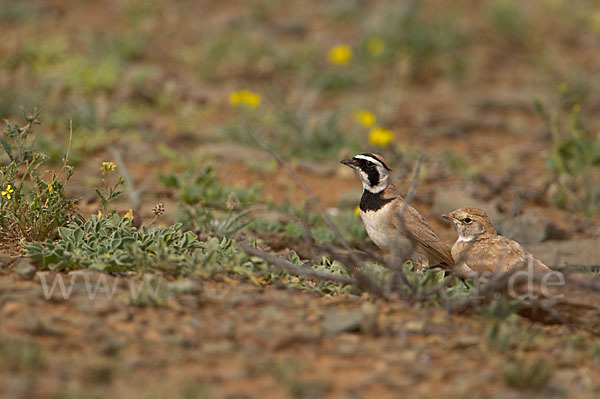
207	206
31	208
575	157
199	186
508	19
114	245
527	374
352	228
429	46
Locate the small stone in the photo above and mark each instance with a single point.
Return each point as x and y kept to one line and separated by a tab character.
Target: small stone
338	322
11	308
466	341
5	260
218	348
25	269
184	287
527	228
414	326
368	323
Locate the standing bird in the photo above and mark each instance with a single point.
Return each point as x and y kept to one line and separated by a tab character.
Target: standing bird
479	249
380	210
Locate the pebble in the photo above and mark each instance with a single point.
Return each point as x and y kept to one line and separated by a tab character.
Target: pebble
25	269
5	259
338	322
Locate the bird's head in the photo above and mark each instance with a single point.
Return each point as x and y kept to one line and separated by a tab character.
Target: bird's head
372	171
470	223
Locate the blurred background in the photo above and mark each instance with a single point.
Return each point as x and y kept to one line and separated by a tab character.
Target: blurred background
502	97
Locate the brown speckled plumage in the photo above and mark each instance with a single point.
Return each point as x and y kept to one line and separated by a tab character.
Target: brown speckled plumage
480	249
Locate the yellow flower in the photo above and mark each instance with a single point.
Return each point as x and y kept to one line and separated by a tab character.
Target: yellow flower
100	214
8	192
129	214
357	210
244	97
364	117
380	137
50	188
376	46
340	54
107	255
107	166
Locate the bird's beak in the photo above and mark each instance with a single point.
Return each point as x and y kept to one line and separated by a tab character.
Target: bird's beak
448	216
349	162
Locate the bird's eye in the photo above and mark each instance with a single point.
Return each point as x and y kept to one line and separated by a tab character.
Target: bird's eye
467	220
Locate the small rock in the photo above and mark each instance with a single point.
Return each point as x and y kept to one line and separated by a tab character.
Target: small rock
368	323
466	341
181	287
177	340
223	347
25	269
11	308
527	228
338	322
5	259
415	326
267	312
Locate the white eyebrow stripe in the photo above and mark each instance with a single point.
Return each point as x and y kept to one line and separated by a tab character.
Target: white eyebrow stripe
368	158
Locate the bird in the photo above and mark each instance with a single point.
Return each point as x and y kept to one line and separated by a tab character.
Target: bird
381	207
479	249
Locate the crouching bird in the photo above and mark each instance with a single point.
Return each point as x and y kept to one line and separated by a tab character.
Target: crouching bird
479	249
381	207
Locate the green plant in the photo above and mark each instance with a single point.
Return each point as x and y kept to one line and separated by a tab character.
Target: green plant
323	287
202	219
109	192
526	374
199	186
508	19
429	46
574	159
205	200
114	245
30	208
503	331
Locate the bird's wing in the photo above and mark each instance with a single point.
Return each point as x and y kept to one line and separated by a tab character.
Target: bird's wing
423	234
498	254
